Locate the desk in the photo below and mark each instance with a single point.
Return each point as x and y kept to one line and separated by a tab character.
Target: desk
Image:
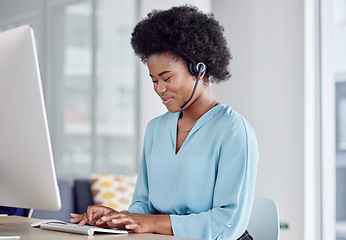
14	225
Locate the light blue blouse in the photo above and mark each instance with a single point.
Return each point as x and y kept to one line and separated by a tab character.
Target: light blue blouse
207	188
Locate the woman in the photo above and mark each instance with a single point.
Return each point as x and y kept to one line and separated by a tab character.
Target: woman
198	169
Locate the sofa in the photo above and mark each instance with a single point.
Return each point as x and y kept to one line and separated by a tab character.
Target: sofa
112	190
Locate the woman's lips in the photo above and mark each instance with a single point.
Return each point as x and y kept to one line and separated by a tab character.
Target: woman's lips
166	100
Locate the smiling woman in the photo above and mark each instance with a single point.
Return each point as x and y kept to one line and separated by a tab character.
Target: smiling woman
198	169
171	78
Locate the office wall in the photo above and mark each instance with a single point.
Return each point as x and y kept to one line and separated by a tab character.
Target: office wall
267	41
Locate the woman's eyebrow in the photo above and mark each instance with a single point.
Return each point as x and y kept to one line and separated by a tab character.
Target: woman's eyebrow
160	74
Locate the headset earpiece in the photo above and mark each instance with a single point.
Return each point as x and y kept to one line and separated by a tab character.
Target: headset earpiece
195	69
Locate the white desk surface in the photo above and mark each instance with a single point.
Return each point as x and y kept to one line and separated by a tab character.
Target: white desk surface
15	225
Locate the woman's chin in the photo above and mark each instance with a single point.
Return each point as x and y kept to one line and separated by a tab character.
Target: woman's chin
173	109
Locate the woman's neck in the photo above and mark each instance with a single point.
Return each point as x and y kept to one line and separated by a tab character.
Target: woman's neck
199	106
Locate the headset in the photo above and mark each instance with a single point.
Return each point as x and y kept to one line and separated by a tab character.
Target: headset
196	70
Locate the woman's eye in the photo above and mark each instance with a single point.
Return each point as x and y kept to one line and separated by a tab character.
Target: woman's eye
154	81
167	79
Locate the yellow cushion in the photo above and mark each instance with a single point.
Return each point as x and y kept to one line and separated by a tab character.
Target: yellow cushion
113	191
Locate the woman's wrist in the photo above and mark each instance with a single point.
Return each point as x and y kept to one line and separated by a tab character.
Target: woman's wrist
162	224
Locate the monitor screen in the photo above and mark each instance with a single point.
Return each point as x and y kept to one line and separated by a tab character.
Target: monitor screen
27	173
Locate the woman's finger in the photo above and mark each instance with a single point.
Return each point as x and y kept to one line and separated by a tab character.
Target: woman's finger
133	227
125	220
83	221
100	221
94	213
110	224
109	216
91	213
75	217
128	222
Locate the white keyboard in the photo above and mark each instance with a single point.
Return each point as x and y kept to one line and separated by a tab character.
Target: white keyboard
74	228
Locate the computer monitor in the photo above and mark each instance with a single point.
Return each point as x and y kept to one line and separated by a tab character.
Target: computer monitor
27	172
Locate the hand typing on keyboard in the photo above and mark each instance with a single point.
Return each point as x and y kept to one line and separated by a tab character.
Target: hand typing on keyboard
93	217
106	217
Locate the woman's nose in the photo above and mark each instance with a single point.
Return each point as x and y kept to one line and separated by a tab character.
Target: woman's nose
160	88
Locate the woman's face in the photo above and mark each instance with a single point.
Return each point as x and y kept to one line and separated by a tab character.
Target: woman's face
171	79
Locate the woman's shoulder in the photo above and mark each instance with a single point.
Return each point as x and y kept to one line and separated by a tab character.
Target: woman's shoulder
230	117
236	127
227	113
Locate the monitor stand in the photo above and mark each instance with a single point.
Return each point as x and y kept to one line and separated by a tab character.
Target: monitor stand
30	212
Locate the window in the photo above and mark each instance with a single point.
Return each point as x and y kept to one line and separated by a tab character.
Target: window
89	74
92	76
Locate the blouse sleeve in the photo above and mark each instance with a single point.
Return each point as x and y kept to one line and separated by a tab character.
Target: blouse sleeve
234	189
140	196
140	199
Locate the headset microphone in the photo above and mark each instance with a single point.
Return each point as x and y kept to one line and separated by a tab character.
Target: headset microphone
196	70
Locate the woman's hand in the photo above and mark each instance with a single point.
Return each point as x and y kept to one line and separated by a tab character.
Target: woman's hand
106	217
140	223
93	217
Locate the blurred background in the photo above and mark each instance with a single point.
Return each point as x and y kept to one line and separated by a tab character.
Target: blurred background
288	79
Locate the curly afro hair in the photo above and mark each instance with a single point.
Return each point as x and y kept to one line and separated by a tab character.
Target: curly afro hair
186	32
